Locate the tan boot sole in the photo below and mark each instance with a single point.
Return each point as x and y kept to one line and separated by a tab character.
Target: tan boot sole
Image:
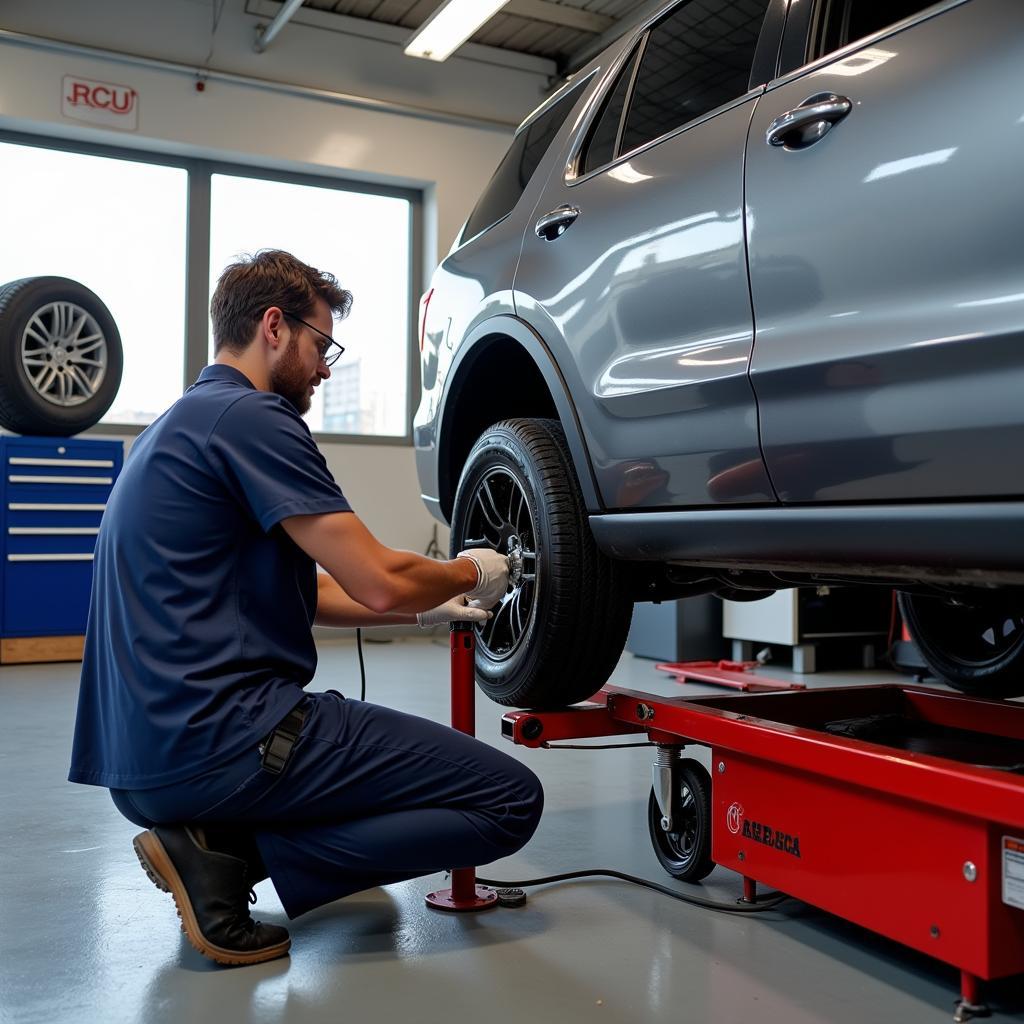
154	860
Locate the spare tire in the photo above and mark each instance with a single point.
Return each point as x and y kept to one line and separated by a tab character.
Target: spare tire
60	357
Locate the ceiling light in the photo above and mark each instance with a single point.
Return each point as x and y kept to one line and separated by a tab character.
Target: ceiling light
450	26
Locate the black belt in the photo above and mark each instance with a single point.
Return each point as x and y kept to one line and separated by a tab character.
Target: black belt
277	747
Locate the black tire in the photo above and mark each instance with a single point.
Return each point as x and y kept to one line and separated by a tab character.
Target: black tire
556	637
55	379
685	852
977	646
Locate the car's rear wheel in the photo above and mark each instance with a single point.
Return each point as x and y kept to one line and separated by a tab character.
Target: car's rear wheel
558	633
975	644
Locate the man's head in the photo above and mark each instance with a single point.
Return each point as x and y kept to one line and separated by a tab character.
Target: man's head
273	316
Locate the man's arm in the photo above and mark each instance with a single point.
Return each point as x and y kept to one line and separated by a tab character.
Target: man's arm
335	608
371	575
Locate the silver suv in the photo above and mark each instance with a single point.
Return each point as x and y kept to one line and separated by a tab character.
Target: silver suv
742	309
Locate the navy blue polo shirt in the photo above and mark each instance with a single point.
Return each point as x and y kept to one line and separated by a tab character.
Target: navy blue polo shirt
199	638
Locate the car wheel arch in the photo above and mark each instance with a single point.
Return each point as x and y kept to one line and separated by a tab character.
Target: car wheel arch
504	353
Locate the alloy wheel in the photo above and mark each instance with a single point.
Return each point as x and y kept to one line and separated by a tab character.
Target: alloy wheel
500	518
64	353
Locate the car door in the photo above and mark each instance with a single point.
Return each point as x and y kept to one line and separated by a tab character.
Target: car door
887	271
636	277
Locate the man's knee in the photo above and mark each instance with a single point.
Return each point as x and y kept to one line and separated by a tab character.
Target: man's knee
527	808
536	806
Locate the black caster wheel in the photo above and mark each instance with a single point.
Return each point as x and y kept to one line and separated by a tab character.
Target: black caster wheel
685	851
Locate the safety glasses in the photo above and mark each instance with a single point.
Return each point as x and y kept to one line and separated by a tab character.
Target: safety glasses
327	345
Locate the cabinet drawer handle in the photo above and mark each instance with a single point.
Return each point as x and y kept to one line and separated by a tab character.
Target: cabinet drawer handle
49	558
53	531
94	480
97	463
34	506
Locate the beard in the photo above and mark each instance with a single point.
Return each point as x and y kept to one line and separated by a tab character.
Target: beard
289	380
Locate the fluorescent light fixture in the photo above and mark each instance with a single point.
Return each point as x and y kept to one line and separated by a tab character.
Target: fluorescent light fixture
450	26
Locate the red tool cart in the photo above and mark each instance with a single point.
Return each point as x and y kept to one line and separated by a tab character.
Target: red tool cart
899	808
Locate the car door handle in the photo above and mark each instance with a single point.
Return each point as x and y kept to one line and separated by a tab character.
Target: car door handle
808	123
553	224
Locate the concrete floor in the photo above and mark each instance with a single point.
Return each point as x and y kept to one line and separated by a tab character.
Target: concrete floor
86	937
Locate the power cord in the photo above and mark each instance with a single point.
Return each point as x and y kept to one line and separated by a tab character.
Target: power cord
761	904
362	668
433	549
511	893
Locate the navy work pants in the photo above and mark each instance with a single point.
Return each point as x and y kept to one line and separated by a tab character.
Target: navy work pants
369	796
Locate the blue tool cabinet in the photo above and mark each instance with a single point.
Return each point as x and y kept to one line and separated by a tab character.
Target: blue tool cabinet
52	495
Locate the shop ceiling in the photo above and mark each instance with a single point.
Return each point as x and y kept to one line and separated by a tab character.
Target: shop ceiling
568	32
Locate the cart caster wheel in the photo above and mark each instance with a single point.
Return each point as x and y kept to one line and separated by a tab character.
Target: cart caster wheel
685	851
965	1011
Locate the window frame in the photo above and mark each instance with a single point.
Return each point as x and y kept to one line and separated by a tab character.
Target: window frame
805	27
766	53
634	54
197	259
563	92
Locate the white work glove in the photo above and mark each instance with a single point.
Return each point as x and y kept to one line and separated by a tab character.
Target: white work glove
458	609
491	575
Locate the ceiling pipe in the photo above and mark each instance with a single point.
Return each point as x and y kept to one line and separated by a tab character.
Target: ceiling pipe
265	33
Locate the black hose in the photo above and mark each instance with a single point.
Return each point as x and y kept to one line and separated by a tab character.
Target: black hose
765	902
362	670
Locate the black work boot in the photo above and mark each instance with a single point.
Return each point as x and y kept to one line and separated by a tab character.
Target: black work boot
210	891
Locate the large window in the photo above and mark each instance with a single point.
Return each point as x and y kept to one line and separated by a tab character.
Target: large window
118	226
695	60
364	240
151	234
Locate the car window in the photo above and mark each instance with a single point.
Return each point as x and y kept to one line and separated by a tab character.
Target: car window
517	166
840	22
698	58
600	147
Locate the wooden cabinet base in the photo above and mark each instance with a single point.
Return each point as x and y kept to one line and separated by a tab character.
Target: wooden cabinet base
20	650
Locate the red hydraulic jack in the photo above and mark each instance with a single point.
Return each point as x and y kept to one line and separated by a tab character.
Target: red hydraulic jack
898	808
464	894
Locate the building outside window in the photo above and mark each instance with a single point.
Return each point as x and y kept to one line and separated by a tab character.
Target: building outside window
364	240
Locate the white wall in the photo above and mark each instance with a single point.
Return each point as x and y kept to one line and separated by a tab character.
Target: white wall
315	48
244	123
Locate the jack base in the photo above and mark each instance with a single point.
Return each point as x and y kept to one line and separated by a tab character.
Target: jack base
966	1011
444	899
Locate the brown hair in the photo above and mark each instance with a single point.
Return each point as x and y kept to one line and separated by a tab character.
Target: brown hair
246	289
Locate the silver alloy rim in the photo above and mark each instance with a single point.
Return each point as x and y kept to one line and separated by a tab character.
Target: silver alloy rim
64	354
499	517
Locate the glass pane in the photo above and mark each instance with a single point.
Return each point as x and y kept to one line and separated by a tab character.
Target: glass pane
119	228
502	192
865	19
364	241
517	166
601	147
695	60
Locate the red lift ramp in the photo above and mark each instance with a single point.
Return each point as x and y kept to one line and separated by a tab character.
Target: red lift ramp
736	675
899	808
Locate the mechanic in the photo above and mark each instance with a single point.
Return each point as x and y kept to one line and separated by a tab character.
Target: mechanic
199	644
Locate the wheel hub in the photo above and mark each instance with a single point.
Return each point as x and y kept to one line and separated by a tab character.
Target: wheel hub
500	518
